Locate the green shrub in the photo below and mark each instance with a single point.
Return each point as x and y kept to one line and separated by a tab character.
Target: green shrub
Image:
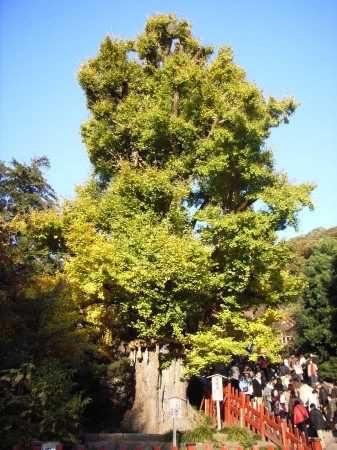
240	435
201	433
39	402
328	369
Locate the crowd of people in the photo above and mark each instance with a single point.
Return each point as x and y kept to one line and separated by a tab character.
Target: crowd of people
291	389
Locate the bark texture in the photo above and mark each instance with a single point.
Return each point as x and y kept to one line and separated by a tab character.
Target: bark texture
154	388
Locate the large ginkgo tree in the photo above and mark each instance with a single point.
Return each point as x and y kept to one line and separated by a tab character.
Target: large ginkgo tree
175	236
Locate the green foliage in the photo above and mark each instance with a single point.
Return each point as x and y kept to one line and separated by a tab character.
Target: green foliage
328	369
173	238
246	439
40	322
182	222
318	314
303	246
24	188
231	335
39	402
202	433
37	314
145	265
119	368
171	106
39	319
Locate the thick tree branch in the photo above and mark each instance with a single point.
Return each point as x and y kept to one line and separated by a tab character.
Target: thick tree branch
176	96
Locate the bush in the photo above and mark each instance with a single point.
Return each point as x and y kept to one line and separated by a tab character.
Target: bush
240	435
39	402
328	369
201	433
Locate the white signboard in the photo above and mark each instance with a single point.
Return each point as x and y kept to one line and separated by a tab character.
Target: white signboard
217	390
175	408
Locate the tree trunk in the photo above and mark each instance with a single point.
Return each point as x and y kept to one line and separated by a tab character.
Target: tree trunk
154	388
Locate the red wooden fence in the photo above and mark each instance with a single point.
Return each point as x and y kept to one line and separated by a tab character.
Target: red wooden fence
237	410
159	447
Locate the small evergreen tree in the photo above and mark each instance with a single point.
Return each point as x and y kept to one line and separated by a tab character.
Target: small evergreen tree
317	317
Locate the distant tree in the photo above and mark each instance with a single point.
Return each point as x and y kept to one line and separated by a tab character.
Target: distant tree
317	317
303	246
38	317
328	369
23	188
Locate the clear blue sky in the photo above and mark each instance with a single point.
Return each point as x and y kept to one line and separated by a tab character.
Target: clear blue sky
287	47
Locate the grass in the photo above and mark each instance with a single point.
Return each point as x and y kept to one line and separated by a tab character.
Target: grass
205	433
244	437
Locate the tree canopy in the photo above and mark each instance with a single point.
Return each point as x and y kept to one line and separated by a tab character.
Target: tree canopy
181	218
23	187
318	313
163	99
38	394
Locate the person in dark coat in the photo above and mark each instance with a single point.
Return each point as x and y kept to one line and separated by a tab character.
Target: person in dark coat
319	423
279	385
278	408
258	385
323	396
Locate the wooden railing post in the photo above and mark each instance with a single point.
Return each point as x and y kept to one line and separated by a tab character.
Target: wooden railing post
228	406
262	413
190	446
316	444
207	408
242	398
284	434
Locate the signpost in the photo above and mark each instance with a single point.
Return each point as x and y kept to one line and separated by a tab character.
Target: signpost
175	413
217	395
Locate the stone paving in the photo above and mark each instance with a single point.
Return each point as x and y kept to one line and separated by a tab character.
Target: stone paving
149	441
330	440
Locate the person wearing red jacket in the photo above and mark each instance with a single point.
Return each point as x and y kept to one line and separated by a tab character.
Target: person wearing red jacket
301	418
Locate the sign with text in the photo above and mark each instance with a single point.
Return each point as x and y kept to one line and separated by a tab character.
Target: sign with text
175	408
217	391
